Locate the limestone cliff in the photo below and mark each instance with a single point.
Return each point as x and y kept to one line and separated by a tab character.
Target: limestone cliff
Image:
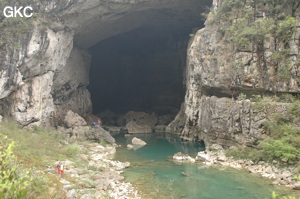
44	60
227	58
246	47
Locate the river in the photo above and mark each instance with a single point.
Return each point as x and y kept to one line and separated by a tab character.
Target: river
154	173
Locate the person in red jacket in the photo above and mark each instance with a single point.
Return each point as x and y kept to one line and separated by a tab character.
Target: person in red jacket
58	166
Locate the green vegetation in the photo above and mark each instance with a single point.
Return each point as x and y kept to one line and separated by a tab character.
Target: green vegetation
277	196
35	150
72	150
13	181
282	142
250	25
15	29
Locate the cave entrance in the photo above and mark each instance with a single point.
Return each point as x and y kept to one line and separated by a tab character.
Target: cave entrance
143	69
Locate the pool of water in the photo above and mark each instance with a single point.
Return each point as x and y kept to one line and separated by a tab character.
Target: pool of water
157	176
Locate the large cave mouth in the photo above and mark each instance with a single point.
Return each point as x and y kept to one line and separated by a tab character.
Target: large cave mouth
143	69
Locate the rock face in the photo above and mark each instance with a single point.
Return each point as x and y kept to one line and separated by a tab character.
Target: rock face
228	122
210	112
46	73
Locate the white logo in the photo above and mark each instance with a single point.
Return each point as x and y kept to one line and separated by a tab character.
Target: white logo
18	11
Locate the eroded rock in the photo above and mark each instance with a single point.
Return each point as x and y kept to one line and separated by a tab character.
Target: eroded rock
73	119
98	133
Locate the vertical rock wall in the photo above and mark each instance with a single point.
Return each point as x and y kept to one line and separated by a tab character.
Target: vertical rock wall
46	72
26	92
212	75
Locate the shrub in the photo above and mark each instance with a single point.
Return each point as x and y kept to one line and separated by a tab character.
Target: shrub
13	182
245	153
258	106
242	96
278	150
72	150
277	196
103	142
294	109
287	98
256	98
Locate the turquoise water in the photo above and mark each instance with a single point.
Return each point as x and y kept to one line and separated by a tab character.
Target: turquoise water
157	176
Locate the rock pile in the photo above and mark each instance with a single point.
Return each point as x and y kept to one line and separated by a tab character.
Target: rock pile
100	178
180	157
136	122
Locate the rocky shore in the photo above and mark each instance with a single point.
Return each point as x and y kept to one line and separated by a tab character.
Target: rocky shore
99	177
216	156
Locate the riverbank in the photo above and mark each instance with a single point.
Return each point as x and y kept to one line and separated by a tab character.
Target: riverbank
90	171
284	176
99	176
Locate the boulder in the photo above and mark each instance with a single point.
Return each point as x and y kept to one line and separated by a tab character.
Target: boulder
141	118
222	157
73	119
98	133
215	147
129	146
296	186
133	127
79	131
113	130
180	157
203	156
138	141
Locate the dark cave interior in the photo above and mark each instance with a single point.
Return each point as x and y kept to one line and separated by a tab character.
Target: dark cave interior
143	69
